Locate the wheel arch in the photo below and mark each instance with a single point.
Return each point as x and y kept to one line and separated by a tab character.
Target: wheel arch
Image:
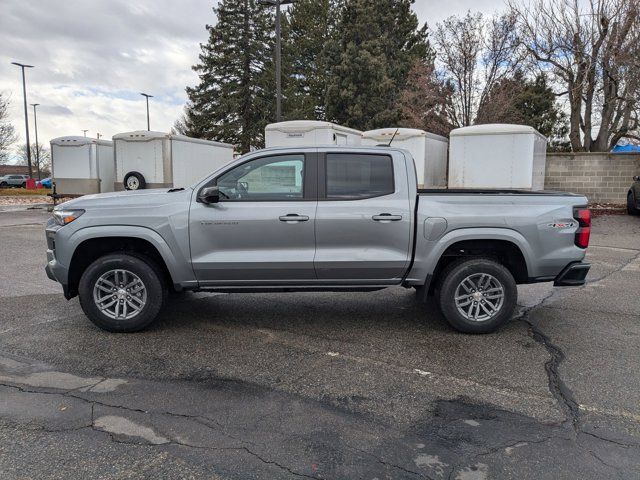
507	246
89	246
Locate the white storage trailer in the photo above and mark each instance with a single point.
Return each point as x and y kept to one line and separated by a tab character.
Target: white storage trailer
146	159
497	156
82	165
429	152
309	132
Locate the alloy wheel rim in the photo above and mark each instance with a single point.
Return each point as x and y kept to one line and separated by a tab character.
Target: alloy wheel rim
120	294
479	297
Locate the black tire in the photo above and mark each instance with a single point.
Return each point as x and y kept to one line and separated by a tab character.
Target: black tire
149	274
456	273
24	185
631	205
4	185
134	181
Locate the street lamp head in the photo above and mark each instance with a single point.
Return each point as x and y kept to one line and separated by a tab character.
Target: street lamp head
35	104
146	95
23	65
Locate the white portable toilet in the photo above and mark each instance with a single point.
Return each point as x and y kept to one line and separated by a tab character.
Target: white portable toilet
497	156
147	159
82	165
429	151
309	132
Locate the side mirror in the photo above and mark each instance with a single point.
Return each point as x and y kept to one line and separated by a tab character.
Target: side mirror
209	195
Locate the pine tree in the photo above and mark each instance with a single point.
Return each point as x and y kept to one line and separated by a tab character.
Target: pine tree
235	97
377	43
308	28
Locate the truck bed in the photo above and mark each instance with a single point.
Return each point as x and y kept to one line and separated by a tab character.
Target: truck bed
475	191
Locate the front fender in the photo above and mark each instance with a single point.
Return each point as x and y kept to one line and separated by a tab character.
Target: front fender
179	267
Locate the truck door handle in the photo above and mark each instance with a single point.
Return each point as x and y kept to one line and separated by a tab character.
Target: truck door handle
293	218
387	217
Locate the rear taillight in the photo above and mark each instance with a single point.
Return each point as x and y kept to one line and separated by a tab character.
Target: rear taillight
583	216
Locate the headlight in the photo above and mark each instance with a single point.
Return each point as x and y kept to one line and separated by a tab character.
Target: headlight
64	217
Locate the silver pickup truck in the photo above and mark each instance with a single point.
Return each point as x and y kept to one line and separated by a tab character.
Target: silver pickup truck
315	219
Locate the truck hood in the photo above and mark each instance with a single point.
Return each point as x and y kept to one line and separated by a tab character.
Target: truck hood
134	198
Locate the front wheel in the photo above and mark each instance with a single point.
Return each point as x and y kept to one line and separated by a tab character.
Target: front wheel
477	295
121	292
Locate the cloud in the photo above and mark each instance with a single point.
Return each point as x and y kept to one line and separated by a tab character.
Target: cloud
93	58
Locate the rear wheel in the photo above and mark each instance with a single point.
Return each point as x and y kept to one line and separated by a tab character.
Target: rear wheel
631	205
477	295
121	292
4	185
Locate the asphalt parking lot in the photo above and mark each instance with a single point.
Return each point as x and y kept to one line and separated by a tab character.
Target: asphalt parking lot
366	385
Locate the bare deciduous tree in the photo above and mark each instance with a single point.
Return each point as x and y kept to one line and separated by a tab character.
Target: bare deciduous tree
425	101
592	50
474	54
7	131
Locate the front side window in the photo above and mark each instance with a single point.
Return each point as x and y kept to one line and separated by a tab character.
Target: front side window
353	177
275	178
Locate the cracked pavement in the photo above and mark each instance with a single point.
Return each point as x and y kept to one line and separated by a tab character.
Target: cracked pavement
367	385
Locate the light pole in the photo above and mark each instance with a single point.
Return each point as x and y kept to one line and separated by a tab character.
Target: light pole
147	96
35	124
26	113
84	132
277	4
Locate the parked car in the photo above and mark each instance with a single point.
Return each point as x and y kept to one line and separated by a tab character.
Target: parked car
315	219
14	181
45	182
633	197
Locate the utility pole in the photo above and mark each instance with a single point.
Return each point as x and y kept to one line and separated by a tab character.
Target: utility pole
35	124
85	132
277	4
147	96
26	113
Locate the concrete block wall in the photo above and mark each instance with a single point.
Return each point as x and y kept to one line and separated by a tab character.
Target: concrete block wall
602	177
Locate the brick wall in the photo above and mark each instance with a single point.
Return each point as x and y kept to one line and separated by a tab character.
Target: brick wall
602	177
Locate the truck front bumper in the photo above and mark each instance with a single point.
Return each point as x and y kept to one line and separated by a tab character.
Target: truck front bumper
573	275
57	272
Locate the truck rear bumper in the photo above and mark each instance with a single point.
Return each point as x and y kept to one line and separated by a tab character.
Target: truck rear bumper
573	275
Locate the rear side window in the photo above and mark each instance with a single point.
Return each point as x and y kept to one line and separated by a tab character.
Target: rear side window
352	177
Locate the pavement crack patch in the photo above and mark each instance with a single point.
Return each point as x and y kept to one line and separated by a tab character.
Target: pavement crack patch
560	391
388	464
276	464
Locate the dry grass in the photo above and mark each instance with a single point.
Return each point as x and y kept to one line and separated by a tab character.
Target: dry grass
19	192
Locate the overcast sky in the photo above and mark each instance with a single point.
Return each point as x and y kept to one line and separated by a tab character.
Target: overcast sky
94	57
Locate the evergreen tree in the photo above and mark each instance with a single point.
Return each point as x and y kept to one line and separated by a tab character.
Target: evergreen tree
527	102
308	28
376	44
235	97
